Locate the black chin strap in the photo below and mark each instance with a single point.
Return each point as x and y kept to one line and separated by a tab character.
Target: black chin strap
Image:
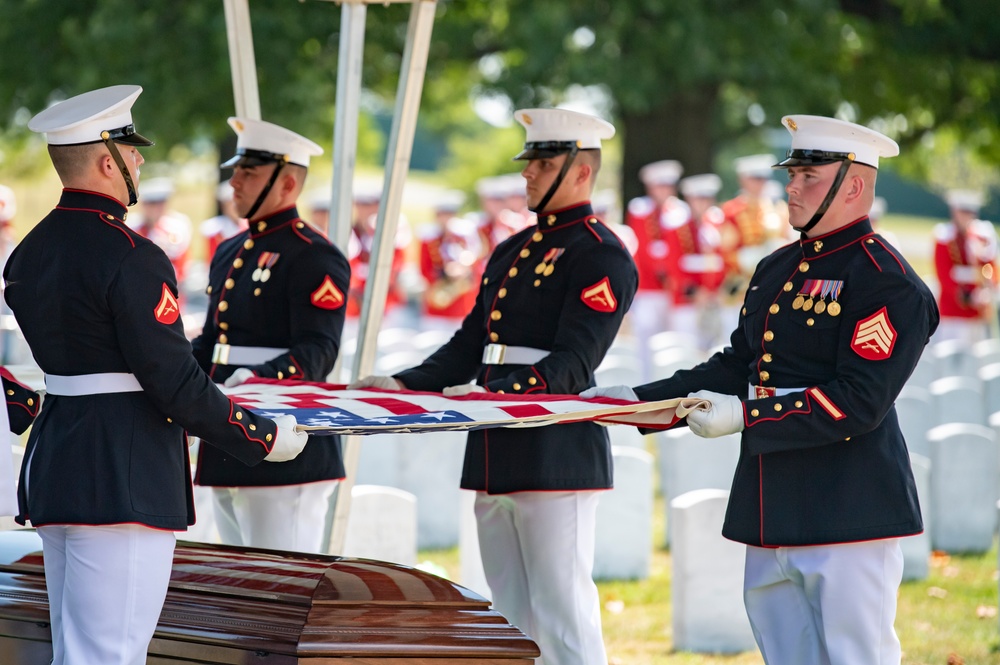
570	156
115	155
264	192
825	205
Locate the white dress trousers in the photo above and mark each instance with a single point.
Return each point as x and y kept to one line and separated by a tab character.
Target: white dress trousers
825	604
282	517
538	557
649	314
106	587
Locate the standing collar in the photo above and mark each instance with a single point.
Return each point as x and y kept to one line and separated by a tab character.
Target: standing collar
836	239
556	218
87	200
272	222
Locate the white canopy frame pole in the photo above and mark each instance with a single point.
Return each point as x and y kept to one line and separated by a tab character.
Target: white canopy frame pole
242	63
404	124
345	129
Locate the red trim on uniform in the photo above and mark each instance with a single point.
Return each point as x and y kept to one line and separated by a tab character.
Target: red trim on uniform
299	374
781	415
27	408
246	432
101	216
540	386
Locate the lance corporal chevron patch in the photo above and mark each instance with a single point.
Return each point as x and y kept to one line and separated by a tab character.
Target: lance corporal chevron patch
600	297
874	337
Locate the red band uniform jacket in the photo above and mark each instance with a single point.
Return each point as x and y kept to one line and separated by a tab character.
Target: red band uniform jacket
826	462
92	296
278	284
562	286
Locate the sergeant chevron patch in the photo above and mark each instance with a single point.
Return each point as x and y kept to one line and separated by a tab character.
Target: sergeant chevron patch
167	310
874	337
599	297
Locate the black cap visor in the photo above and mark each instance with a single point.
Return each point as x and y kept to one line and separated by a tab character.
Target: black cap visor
250	157
128	136
812	158
544	149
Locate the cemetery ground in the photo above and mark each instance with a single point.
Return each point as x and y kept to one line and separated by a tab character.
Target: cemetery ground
950	618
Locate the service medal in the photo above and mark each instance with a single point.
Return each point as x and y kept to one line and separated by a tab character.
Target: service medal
540	268
265	274
833	309
797	303
549	269
256	275
807	305
820	307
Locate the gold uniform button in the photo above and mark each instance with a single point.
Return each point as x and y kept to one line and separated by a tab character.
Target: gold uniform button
804	267
248	244
10	392
209	290
281	375
525	253
238	263
538	282
798	405
512	272
502	293
230	283
300	225
239	415
170	420
532	380
768	336
755	413
291	369
252	427
537	237
223	325
495	315
847	439
869	241
486	280
494	337
550	220
766	357
500	392
256	291
788	286
517	386
223	305
223	339
744	311
777	407
268	437
764	376
31	401
774	308
261	226
810	322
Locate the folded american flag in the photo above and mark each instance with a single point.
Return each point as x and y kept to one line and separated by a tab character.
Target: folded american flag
322	408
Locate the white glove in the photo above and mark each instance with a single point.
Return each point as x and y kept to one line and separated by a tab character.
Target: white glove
464	389
615	392
725	416
288	443
242	375
375	381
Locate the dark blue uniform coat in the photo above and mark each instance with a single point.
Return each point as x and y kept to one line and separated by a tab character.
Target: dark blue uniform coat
562	286
279	284
92	296
825	463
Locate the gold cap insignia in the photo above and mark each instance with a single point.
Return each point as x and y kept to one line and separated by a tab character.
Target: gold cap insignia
791	124
526	118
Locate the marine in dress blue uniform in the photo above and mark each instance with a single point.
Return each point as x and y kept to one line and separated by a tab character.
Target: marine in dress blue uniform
106	477
550	303
276	310
830	329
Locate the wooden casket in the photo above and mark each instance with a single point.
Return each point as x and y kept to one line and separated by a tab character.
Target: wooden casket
245	606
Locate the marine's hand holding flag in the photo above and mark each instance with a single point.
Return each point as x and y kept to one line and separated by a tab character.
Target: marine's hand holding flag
288	442
724	415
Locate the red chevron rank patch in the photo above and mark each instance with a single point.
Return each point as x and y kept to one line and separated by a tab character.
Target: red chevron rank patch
167	310
599	297
874	337
327	296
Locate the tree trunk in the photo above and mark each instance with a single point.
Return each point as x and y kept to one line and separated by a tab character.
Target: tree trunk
680	128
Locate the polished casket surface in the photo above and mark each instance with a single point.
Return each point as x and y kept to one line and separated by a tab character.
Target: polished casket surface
249	606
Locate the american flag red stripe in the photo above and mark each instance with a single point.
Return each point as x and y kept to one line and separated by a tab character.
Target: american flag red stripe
321	408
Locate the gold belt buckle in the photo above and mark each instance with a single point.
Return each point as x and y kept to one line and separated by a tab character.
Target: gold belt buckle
494	354
763	392
220	354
